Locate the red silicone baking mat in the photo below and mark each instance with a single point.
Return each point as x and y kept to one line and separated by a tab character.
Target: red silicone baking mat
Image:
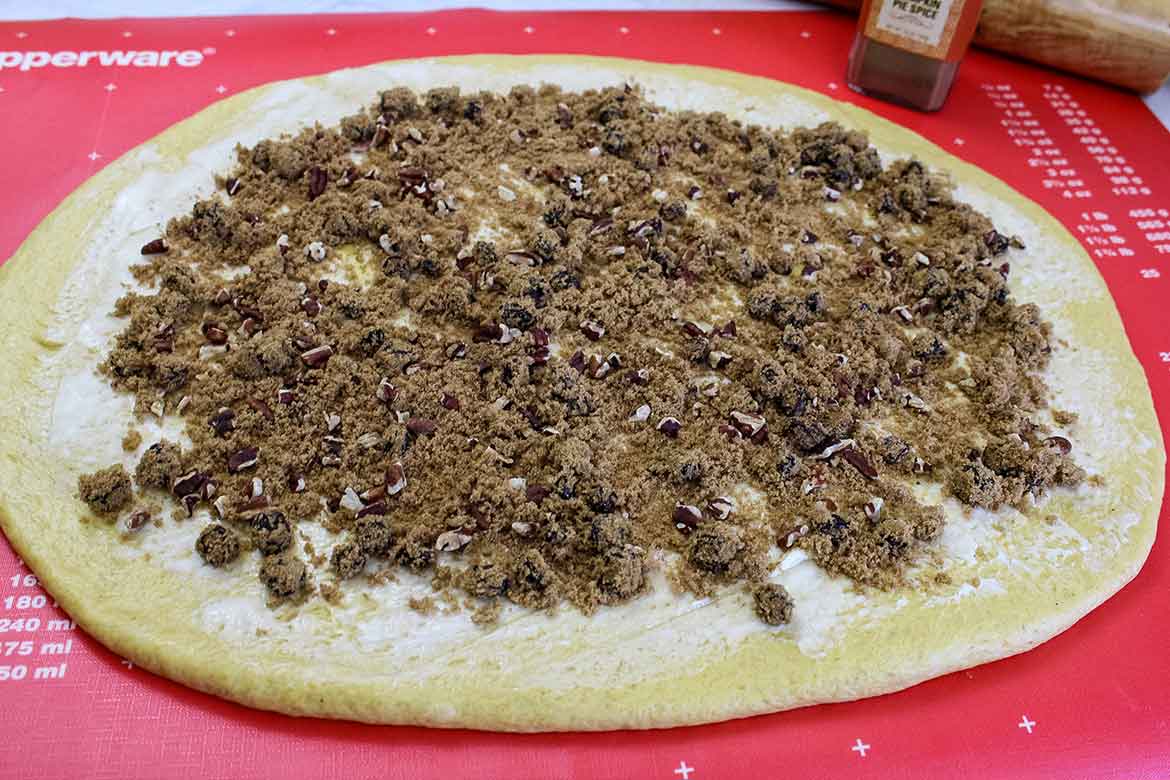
1090	703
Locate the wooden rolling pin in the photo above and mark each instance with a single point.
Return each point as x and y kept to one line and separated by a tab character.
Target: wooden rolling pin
1121	42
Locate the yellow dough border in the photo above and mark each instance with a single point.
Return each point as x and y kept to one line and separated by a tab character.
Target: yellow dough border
147	613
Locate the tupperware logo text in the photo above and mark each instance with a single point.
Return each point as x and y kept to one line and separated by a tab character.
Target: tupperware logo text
28	60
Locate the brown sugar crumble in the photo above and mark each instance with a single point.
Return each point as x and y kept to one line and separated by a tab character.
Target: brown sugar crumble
773	604
218	545
537	337
107	491
131	440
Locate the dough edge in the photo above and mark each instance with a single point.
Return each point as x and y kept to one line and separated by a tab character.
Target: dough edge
760	675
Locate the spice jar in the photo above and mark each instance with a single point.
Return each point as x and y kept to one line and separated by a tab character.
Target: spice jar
908	51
